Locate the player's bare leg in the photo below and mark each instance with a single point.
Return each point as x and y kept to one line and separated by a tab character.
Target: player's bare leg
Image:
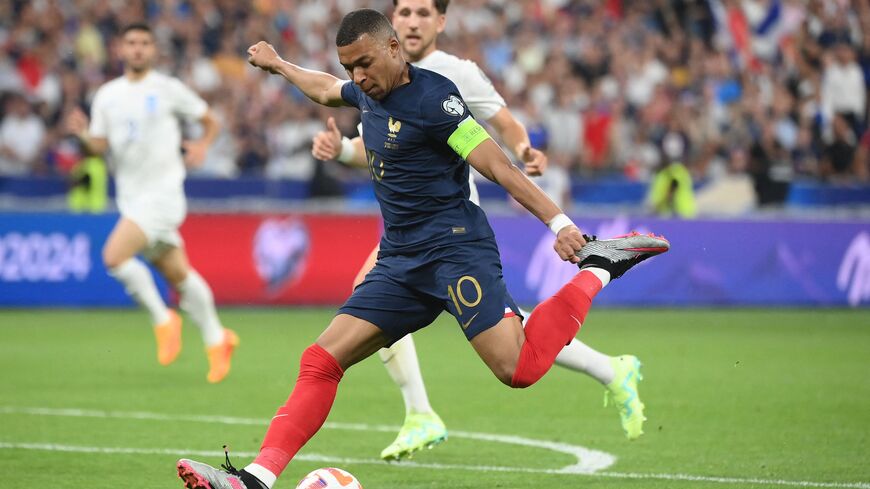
520	356
119	256
345	342
198	301
422	427
367	267
519	359
499	347
619	375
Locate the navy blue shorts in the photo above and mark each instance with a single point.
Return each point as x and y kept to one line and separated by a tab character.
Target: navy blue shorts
404	293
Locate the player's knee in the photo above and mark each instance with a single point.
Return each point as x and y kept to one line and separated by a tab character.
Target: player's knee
518	382
504	371
317	363
526	372
176	277
112	260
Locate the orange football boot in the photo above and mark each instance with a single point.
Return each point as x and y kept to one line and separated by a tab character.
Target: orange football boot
168	337
219	356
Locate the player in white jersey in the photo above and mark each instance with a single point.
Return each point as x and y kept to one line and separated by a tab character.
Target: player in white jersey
136	119
418	23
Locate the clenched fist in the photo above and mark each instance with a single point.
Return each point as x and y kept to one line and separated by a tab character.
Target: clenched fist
568	242
263	56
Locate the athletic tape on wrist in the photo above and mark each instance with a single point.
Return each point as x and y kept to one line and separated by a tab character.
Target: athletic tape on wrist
557	223
347	150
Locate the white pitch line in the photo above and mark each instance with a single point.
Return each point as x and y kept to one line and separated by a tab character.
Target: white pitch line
310	457
733	480
587	459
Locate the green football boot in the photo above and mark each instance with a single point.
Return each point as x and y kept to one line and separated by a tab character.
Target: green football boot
622	393
421	430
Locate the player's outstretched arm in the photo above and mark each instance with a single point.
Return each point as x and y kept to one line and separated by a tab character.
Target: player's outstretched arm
320	87
330	145
489	159
514	134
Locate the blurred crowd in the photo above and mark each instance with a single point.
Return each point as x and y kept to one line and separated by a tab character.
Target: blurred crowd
739	92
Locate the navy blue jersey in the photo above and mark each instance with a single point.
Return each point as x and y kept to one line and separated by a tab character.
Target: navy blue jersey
416	139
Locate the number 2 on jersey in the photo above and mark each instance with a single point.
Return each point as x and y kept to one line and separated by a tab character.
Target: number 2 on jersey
132	130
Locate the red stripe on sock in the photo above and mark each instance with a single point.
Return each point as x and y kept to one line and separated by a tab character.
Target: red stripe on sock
305	410
552	325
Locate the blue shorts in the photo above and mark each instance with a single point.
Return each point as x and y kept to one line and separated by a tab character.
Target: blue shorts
404	293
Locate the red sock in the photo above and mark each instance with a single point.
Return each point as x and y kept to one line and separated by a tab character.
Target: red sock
305	411
552	325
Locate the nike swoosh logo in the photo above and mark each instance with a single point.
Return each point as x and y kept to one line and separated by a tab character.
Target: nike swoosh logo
280	416
465	324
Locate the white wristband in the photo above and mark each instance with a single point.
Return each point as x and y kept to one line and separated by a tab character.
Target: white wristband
560	221
347	150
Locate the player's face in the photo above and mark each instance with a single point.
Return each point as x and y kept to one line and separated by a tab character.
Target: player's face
417	23
138	50
373	64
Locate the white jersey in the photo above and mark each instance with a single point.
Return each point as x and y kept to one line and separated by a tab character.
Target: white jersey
478	92
142	122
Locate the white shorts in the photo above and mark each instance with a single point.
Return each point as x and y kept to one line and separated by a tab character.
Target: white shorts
160	222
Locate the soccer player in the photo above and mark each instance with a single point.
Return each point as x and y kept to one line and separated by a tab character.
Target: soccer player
418	23
438	251
136	118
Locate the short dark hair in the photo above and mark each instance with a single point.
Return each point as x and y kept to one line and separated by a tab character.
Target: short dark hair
363	21
136	26
440	5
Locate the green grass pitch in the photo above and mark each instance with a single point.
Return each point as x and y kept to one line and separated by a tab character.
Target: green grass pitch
735	398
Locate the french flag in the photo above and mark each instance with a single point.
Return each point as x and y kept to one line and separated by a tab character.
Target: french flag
732	32
750	30
768	30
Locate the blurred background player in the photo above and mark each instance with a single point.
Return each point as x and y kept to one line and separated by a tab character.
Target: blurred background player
136	118
418	24
438	252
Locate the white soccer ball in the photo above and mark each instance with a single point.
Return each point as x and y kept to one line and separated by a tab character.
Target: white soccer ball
329	478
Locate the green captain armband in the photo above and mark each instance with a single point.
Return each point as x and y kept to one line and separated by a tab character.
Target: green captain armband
467	136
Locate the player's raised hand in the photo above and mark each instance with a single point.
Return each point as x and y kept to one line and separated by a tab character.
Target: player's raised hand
534	160
76	122
194	153
568	242
263	56
327	144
